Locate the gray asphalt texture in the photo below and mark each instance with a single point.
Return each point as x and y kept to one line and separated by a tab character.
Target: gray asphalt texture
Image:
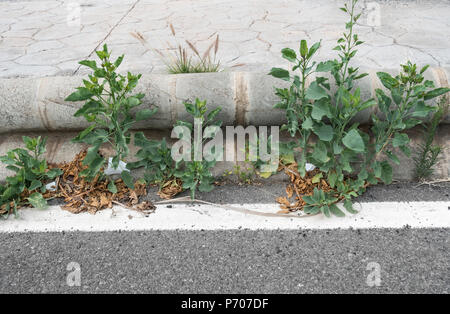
237	261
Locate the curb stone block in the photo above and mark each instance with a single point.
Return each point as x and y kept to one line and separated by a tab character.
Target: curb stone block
37	104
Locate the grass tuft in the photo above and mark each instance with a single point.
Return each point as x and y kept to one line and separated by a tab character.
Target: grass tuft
185	58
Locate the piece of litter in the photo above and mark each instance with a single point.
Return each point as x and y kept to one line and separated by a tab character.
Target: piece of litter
51	186
120	168
309	167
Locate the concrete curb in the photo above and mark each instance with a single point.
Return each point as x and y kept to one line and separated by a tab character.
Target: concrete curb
247	98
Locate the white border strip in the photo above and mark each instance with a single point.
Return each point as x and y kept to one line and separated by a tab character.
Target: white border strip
207	217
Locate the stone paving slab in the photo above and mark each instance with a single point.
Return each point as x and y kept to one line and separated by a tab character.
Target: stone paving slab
46	38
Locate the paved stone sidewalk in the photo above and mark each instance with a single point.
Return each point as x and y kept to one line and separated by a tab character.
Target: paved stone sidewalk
42	38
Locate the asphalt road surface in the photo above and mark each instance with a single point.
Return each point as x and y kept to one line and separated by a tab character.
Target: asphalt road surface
236	261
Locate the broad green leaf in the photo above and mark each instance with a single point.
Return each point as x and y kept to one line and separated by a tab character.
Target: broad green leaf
205	187
315	92
307	124
421	110
35	185
89	107
387	80
325	210
321	108
289	54
320	153
96	137
91	155
94	167
436	92
133	101
89	63
324	132
83	134
311	210
354	141
212	115
392	157
348	205
363	174
128	179
397	95
337	149
280	73
37	201
400	139
53	173
309	199
412	123
118	61
383	170
367	104
112	187
81	94
384	102
100	73
336	211
144	114
313	50
424	69
325	66
13	168
332	178
317	177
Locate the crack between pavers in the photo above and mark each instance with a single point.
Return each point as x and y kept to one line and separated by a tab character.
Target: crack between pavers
109	33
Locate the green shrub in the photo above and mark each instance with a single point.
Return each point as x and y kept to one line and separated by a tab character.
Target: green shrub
155	157
342	147
31	175
108	103
197	174
428	154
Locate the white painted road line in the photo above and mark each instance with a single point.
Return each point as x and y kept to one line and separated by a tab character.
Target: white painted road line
207	217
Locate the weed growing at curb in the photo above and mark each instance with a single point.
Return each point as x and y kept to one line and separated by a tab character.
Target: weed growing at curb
28	185
155	157
108	106
349	157
197	174
428	154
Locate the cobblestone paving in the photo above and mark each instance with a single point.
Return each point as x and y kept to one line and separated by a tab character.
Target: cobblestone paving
41	38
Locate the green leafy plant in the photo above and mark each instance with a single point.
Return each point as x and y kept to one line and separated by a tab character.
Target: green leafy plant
186	58
402	110
428	154
197	174
245	172
155	157
108	107
341	146
31	175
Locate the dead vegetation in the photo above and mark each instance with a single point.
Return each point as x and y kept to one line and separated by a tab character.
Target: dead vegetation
82	196
299	187
170	189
